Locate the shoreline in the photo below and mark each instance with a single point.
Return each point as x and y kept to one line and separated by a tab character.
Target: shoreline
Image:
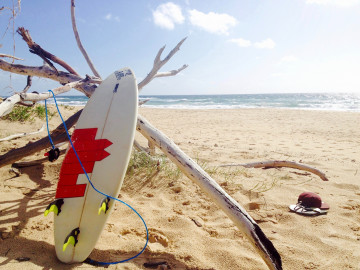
250	108
321	101
328	141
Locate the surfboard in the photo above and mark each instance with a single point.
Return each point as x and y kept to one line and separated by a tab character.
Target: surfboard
103	140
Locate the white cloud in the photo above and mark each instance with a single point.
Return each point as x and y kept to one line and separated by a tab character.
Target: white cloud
241	42
337	3
265	44
167	15
217	23
288	59
110	17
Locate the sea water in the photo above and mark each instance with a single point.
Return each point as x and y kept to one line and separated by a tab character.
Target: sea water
323	101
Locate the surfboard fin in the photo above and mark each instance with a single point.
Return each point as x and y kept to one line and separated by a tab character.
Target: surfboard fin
72	238
55	207
104	205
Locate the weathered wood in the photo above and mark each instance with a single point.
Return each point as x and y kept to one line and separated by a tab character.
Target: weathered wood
142	102
280	164
25	164
9	103
58	136
46	72
45	55
208	185
10	56
139	147
151	148
170	73
158	64
19	135
28	84
78	41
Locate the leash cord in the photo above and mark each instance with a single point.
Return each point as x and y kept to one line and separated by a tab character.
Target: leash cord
47	125
88	260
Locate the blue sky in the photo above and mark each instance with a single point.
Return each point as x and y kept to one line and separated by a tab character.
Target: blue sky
233	46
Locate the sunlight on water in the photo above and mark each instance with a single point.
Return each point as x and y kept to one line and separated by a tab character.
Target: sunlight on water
324	101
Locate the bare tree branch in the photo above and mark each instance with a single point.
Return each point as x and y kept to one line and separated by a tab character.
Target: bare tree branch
78	41
10	56
158	64
28	84
9	103
36	49
142	102
170	73
46	72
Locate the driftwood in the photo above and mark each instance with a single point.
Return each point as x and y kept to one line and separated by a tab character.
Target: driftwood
28	84
7	106
45	55
10	56
280	164
18	135
208	185
25	164
142	102
58	136
239	216
139	147
46	72
151	148
78	41
158	64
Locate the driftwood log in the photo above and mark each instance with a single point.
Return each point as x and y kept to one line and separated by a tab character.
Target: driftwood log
58	136
18	135
280	164
209	186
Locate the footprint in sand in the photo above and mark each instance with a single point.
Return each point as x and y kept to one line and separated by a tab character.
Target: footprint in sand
156	236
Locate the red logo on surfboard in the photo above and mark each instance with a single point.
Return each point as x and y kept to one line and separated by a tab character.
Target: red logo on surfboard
89	151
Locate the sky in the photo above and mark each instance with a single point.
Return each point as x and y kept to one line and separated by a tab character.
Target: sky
232	46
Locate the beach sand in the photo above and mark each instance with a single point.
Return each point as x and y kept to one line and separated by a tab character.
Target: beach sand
187	230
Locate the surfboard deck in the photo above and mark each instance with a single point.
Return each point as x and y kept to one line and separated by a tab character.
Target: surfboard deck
103	139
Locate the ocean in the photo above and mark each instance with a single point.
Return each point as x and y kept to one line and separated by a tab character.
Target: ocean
323	101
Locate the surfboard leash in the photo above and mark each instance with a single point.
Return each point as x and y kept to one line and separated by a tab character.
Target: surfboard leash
54	153
88	260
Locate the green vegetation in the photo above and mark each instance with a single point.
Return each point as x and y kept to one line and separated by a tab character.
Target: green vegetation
145	167
19	113
40	111
148	166
23	114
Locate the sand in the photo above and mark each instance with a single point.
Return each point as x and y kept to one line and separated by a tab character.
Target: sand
187	230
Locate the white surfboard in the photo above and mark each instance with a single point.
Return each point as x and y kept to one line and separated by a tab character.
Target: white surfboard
103	139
